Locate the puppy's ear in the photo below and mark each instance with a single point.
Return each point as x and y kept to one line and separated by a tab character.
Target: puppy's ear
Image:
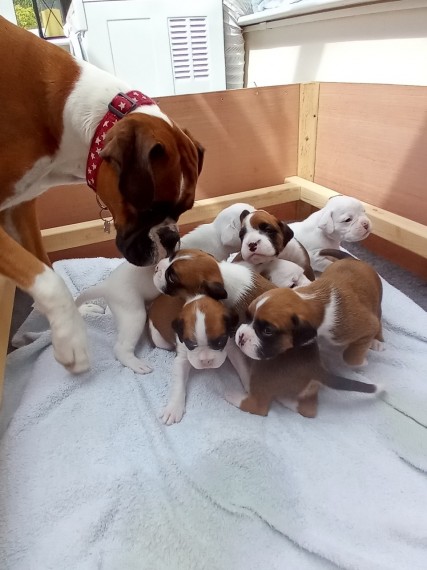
178	327
231	322
326	222
214	289
243	215
287	232
302	331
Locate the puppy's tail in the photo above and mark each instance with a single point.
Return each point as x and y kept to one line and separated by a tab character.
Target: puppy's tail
341	383
336	254
90	294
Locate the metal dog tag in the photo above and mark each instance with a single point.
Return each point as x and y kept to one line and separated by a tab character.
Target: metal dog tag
107	225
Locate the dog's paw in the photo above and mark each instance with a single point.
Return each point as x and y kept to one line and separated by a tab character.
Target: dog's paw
138	365
377	345
90	309
172	414
234	397
70	344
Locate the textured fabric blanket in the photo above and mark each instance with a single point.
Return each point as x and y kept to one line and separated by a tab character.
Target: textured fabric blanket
90	479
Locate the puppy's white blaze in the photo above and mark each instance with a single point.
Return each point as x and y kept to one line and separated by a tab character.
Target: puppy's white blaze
261	302
200	328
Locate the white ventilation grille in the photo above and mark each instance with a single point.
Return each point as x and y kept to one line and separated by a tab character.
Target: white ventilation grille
189	48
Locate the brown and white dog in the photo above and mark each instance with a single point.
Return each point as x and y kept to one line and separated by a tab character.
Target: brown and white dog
343	307
200	329
264	238
146	169
293	378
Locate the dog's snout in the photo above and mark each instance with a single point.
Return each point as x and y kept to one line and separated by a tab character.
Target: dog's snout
253	245
206	362
365	225
241	340
169	237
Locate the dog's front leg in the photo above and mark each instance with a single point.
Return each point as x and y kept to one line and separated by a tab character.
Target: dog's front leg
175	408
52	298
240	363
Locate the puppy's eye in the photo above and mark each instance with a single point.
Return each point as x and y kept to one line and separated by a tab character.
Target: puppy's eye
347	220
267	228
267	330
242	234
190	344
218	343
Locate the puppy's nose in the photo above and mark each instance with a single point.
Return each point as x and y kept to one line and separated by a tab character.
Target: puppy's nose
365	225
241	341
206	362
253	245
169	237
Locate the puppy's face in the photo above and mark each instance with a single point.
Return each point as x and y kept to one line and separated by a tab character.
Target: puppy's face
147	179
276	321
204	327
190	272
345	218
227	224
262	236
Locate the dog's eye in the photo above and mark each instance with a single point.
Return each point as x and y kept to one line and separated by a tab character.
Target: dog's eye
218	343
190	344
242	234
267	228
347	220
267	330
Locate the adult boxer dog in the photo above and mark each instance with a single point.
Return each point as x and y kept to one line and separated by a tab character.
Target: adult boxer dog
342	307
55	116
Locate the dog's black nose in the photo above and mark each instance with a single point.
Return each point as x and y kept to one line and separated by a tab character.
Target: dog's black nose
241	341
169	237
252	246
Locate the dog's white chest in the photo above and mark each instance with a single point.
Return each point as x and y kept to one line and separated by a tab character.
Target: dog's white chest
326	331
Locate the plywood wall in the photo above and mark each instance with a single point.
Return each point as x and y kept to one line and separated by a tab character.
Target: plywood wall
372	144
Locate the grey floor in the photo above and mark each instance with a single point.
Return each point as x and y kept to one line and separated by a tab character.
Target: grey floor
413	286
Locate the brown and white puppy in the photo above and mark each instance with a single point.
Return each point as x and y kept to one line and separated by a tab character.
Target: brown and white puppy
293	378
264	238
145	166
200	329
190	272
343	307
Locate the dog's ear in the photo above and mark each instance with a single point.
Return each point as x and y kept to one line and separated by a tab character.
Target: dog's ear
178	327
214	289
231	322
287	232
192	156
302	331
326	222
243	215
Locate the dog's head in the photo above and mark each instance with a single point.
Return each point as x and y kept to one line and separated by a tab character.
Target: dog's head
190	272
262	236
344	218
204	326
148	179
285	273
276	321
228	224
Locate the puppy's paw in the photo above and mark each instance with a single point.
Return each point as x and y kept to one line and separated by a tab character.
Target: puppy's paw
377	345
138	365
90	309
234	397
173	413
70	344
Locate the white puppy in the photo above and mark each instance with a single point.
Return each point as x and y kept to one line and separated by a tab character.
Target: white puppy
221	237
342	219
126	290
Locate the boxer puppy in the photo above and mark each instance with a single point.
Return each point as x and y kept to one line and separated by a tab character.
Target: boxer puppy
343	307
221	237
293	378
191	272
200	329
342	219
264	238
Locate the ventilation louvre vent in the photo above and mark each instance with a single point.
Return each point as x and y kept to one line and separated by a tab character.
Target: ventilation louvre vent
189	48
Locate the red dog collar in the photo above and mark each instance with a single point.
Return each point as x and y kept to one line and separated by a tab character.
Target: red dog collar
121	105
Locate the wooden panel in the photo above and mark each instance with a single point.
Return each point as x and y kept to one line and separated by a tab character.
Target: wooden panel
308	114
372	144
250	135
91	232
395	229
7	294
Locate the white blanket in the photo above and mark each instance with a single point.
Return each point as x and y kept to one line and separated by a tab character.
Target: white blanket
91	480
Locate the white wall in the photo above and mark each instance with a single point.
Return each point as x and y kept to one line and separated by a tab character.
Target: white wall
7	10
388	47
